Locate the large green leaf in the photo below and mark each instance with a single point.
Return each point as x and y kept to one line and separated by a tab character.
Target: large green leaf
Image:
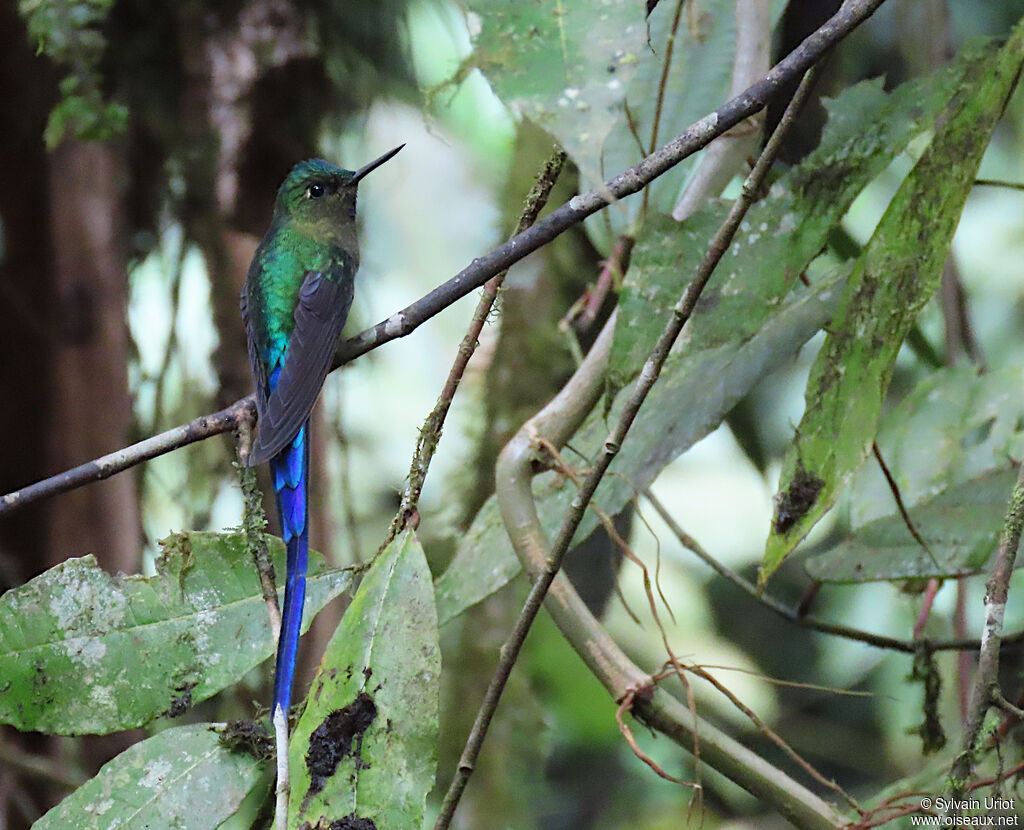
896	274
82	651
961	527
573	66
564	64
365	747
181	778
784	231
698	386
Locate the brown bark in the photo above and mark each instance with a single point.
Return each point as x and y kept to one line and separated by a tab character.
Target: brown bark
90	409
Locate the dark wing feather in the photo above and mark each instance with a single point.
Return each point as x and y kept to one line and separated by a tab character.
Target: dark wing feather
259	369
324	302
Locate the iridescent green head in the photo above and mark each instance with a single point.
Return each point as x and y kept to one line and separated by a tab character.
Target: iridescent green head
318	199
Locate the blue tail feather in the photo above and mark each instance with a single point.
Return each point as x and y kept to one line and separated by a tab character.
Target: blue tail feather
290	470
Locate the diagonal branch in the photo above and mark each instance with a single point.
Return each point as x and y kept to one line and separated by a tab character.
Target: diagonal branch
694	138
473	276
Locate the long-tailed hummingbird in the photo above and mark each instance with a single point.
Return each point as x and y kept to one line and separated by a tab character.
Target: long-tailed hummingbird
295	302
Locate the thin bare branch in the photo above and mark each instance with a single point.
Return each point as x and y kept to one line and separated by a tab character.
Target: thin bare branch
986	684
998	183
430	432
898	498
206	426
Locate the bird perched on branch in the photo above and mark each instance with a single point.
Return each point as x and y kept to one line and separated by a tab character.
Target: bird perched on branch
295	302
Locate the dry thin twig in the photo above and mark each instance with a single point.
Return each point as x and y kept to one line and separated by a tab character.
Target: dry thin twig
430	432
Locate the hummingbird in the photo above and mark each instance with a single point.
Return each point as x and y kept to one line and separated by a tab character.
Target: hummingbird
295	301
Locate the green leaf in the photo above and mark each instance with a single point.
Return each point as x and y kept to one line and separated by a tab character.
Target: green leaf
698	386
82	651
365	747
572	66
954	426
896	274
181	778
700	51
562	63
783	232
961	527
70	32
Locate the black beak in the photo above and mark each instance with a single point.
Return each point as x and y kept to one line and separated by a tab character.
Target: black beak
373	165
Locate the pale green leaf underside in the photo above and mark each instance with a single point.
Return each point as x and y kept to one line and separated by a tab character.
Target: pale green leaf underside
82	651
961	527
181	778
954	426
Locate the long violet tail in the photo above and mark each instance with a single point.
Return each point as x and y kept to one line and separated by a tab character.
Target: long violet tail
290	469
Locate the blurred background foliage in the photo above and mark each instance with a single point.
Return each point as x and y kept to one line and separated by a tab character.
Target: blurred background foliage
142	145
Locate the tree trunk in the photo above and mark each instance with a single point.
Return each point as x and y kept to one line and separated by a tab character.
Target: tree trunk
90	407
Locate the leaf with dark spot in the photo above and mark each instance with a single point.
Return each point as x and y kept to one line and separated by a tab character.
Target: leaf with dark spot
365	745
792	504
339	735
898	271
353	822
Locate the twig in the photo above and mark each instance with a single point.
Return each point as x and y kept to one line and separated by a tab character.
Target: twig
542	563
927	602
626	705
728	153
430	432
794	615
959	333
206	426
1006	706
998	183
584	311
662	84
986	684
254	522
895	490
774	737
403	322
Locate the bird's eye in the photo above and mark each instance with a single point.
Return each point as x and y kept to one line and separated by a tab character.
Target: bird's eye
315	191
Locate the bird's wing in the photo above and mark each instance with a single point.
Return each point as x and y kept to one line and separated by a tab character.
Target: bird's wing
259	369
324	301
